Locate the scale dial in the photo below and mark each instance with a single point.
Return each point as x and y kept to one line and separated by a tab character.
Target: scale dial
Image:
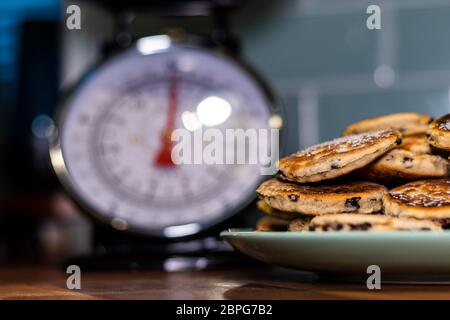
112	149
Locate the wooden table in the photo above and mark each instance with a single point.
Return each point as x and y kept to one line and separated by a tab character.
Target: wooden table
239	283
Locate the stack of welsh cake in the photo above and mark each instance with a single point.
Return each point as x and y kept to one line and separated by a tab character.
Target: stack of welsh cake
384	173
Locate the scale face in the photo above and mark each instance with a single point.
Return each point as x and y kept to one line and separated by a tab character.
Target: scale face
111	149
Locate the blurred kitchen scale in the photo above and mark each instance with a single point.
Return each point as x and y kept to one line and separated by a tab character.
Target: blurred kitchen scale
112	147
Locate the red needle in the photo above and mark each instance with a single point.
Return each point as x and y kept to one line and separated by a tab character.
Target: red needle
164	156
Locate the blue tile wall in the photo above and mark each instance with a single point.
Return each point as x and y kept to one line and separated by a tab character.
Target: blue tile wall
424	39
309	46
298	43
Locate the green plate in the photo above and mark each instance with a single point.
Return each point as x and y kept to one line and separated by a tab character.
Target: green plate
399	253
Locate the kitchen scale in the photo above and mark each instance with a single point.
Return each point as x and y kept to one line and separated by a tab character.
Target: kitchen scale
111	148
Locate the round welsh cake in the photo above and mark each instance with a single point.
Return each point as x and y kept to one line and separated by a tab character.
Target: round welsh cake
407	123
368	222
338	157
424	199
353	197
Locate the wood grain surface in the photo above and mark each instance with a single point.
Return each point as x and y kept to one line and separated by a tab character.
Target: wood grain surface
239	283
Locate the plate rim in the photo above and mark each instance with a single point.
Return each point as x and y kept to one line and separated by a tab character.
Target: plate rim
246	233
